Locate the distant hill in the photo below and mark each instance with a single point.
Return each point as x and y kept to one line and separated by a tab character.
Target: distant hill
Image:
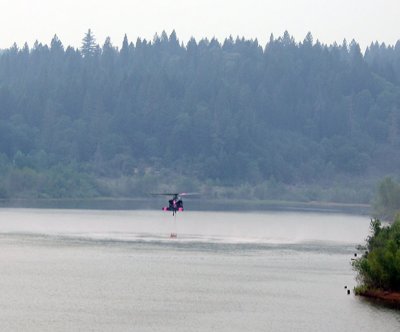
103	121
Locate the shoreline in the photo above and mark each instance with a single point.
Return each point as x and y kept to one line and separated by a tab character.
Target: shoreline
123	203
387	297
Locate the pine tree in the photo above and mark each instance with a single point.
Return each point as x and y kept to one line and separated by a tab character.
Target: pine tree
89	47
56	44
125	50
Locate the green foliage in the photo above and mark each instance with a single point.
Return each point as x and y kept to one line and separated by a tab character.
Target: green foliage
65	182
360	289
387	199
233	114
379	267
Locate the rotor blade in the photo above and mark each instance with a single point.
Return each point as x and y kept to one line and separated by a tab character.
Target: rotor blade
189	194
164	194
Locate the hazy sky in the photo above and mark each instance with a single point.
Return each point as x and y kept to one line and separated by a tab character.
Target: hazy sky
328	20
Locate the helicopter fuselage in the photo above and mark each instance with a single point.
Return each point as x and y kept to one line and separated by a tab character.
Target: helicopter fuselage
174	205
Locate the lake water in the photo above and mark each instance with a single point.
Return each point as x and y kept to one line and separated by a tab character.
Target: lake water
69	270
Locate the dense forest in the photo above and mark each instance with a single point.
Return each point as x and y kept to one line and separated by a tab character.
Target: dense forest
289	120
386	203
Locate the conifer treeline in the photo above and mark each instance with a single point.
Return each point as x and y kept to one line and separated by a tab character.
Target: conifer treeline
229	113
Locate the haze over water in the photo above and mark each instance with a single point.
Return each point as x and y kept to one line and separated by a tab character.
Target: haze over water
117	270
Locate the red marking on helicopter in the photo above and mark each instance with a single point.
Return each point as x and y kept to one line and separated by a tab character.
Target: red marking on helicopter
175	204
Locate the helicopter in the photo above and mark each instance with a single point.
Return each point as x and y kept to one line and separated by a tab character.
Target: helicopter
175	204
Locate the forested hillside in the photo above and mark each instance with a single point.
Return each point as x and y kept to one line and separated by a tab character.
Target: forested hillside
151	115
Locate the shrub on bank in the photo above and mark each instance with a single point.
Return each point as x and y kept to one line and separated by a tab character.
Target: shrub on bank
379	266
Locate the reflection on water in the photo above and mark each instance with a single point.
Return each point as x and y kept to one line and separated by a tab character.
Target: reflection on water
119	270
268	227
